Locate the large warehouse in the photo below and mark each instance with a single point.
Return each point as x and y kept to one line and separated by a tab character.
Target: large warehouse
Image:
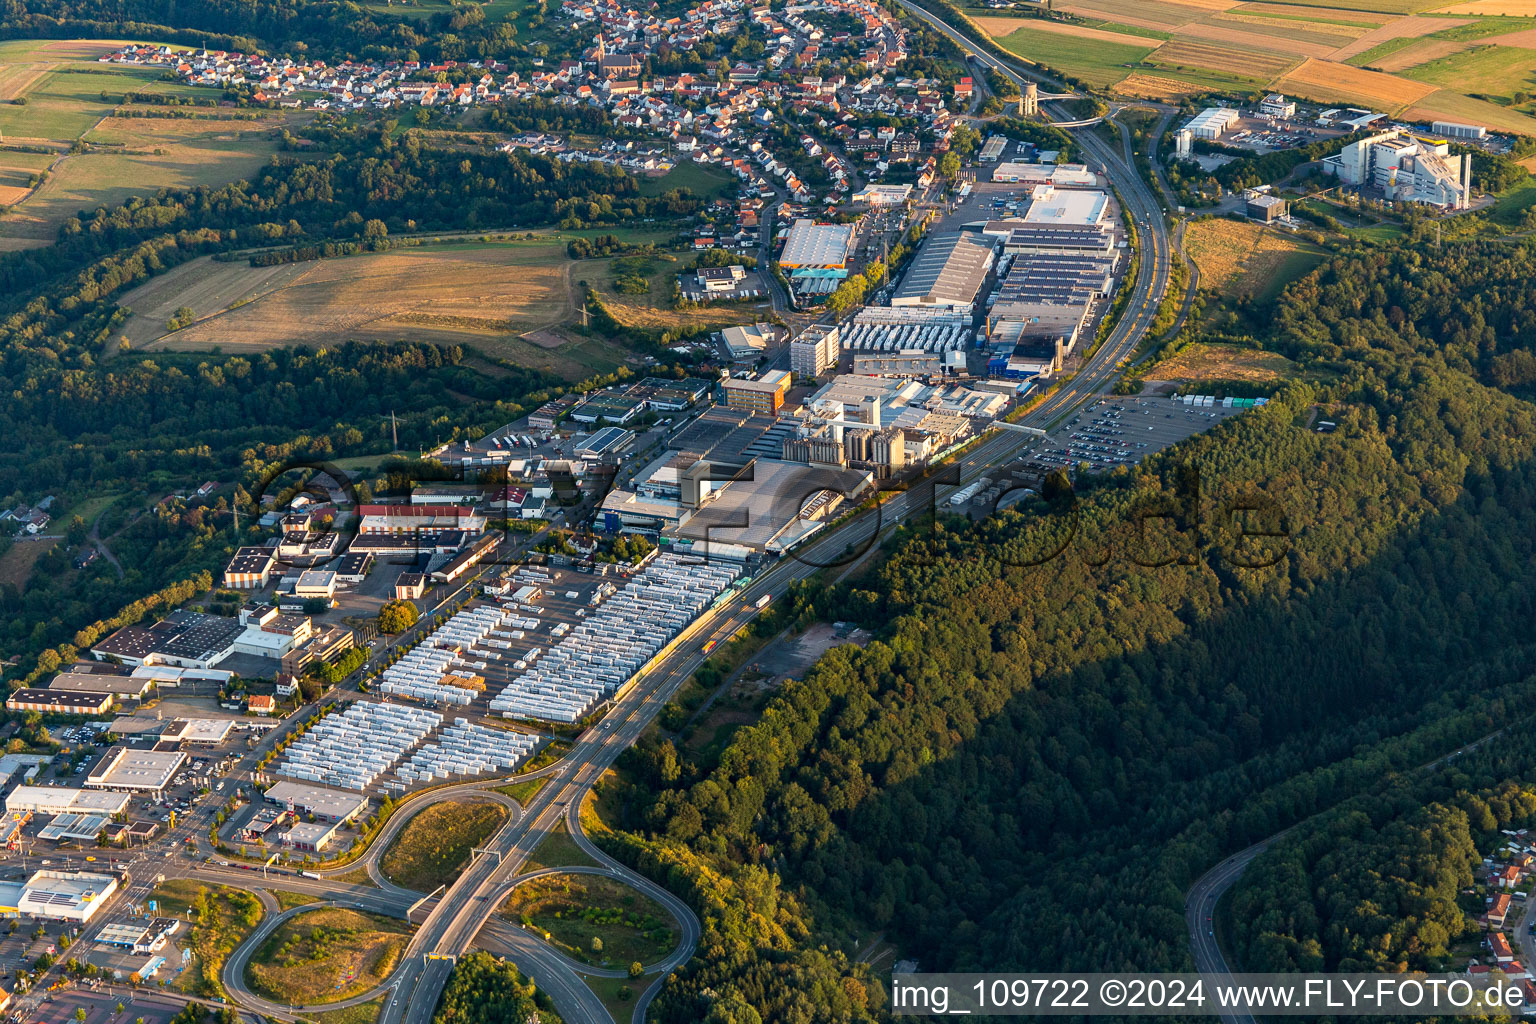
816	256
65	895
64	800
948	271
136	771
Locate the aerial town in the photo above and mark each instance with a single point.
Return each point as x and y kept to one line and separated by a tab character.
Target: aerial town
564	511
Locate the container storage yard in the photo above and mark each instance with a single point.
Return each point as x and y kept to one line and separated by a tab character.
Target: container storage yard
352	748
465	748
589	662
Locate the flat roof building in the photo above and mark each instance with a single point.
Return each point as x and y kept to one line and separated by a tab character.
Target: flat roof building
64	800
747	341
948	271
136	771
249	569
185	638
311	836
764	395
811	245
1211	122
111	683
330	804
58	702
814	350
1051	205
65	895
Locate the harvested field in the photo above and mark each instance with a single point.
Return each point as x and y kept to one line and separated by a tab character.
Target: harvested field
12	194
1329	82
1152	87
997	27
1358	19
1251	64
456	293
1246	38
1156	14
1223	362
653	308
1243	259
1353	8
1326	33
1420	51
1402	28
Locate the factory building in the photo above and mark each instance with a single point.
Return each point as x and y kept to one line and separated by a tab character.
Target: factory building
1456	130
1276	105
816	255
1051	205
1406	168
1211	122
949	271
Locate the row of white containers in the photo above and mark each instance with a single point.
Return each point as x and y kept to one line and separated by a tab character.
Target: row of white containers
419	675
351	748
464	748
925	337
593	660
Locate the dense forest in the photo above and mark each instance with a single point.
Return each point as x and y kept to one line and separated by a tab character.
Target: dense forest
485	990
1037	755
1376	885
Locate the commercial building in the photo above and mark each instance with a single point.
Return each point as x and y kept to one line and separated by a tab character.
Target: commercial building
1211	122
73	896
764	395
410	585
906	362
747	341
123	687
814	351
1276	105
948	270
422	520
185	638
1457	130
311	837
605	442
354	567
467	559
812	246
324	646
882	195
317	801
1261	206
250	568
1051	205
58	702
51	800
1036	238
194	732
720	280
315	584
144	772
1406	168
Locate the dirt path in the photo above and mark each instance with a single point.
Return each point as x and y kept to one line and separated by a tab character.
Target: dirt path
101	546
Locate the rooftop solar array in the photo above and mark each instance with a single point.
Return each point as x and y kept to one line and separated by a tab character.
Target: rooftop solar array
608	647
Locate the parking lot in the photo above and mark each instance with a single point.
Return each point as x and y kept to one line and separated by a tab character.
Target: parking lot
1123	430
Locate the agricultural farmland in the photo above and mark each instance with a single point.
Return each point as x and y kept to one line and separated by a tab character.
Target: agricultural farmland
54	95
1386	55
468	293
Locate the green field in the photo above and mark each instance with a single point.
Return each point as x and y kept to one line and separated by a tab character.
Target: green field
570	911
435	845
701	180
1487	70
326	955
221	919
1095	61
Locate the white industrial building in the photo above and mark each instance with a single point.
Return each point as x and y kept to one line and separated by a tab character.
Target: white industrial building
136	771
65	895
42	800
1211	122
1406	168
1051	205
1457	130
1276	105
